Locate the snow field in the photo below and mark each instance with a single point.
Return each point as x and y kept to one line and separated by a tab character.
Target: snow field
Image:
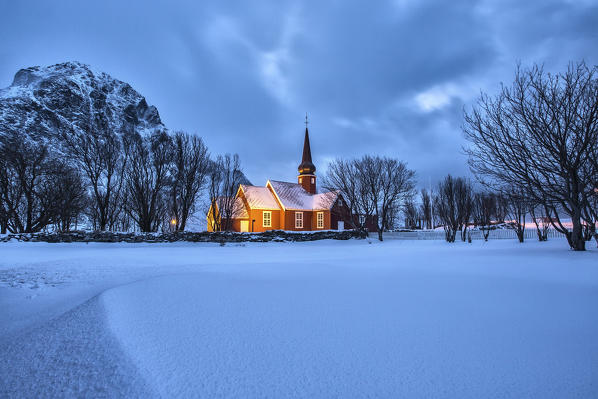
320	319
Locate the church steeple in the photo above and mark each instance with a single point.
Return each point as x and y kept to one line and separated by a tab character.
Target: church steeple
306	168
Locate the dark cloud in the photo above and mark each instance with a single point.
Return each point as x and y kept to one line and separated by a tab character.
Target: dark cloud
376	77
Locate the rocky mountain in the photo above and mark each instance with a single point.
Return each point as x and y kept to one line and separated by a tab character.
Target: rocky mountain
45	101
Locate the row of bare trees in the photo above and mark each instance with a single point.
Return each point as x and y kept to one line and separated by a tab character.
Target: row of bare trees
104	179
374	188
538	139
419	216
457	205
36	189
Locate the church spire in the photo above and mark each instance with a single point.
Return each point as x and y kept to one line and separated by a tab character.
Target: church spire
306	167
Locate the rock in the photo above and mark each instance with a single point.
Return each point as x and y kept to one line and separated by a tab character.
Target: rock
45	102
217	237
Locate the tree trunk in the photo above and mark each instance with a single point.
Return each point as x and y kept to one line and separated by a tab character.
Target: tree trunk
575	237
450	234
539	232
380	235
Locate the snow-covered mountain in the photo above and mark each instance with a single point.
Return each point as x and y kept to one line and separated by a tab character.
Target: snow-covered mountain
45	101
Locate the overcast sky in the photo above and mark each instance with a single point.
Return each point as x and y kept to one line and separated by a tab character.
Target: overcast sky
380	77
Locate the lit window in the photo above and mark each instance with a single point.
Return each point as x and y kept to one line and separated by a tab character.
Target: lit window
298	220
300	180
313	180
320	220
267	222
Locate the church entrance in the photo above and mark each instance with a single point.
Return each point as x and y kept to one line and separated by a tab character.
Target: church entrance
244	226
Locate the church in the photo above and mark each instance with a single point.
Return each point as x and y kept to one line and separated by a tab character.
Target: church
285	206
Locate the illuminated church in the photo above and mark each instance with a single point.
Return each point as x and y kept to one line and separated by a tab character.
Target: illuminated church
287	206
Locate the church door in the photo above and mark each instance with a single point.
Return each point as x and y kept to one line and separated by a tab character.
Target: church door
244	226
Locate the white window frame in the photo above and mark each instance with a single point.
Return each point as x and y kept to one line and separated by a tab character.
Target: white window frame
362	219
268	219
298	220
320	220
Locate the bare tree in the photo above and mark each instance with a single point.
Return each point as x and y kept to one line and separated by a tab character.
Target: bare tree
392	219
66	188
540	219
189	170
484	210
6	188
590	216
426	208
27	205
517	206
374	189
102	155
411	215
345	176
502	208
147	179
453	205
387	182
539	136
224	177
464	197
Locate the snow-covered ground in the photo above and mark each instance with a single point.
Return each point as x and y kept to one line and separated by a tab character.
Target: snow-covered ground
317	319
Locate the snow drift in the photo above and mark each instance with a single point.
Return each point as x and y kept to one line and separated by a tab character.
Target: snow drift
325	319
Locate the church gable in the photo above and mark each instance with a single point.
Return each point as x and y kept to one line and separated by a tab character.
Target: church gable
293	196
258	197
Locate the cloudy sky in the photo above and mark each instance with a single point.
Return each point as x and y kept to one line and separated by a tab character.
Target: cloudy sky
385	77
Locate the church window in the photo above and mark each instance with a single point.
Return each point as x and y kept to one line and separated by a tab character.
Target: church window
320	220
267	221
298	220
313	180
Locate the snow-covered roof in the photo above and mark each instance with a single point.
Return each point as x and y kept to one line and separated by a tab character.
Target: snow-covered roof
325	200
294	196
259	197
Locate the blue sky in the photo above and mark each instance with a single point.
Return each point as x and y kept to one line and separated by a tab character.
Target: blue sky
384	77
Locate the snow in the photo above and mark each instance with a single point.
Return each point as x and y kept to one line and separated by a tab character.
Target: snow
75	81
259	197
291	195
316	319
294	196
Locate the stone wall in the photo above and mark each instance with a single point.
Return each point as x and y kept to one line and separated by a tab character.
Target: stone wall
218	237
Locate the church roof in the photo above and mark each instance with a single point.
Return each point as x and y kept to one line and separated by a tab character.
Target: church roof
259	197
294	196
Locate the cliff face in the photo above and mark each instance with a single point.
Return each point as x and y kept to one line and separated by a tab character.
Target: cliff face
45	102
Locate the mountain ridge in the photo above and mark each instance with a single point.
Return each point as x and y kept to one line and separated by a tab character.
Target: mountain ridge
46	101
